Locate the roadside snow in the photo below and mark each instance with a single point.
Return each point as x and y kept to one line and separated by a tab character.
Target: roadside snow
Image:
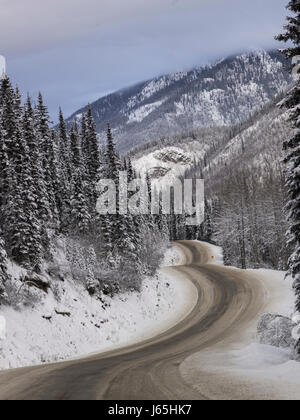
80	324
267	369
254	371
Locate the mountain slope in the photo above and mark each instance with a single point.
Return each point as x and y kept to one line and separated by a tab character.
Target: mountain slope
225	93
214	151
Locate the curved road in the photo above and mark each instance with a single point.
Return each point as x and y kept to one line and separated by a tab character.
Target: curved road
228	300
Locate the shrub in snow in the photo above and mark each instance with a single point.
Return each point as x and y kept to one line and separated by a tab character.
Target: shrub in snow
276	330
35	280
19	293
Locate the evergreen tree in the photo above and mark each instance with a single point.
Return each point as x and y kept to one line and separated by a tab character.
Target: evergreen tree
80	216
9	133
4	164
21	227
110	170
64	174
93	160
75	148
54	169
130	170
32	140
36	184
120	231
84	139
46	149
292	146
9	114
3	267
64	147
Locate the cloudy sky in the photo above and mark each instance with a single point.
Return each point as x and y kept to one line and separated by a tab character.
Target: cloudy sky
75	51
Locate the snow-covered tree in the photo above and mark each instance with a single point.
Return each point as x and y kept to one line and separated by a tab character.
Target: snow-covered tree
292	145
79	217
93	159
64	173
3	267
47	159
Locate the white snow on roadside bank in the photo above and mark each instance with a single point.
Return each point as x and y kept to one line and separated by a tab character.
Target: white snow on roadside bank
41	334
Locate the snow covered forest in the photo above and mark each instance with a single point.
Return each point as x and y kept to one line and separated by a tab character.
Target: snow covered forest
48	196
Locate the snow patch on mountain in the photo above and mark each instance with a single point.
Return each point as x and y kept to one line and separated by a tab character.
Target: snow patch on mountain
141	113
154	86
165	165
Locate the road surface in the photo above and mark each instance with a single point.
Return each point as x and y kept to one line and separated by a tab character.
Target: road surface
228	302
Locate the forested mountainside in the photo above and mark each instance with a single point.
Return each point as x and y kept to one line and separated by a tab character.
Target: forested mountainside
225	93
244	184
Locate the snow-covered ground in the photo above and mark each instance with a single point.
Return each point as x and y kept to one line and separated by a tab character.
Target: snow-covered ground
80	324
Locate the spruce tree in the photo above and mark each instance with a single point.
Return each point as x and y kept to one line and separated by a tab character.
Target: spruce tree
64	147
33	141
37	183
54	167
119	231
79	217
110	170
93	159
21	227
9	112
9	133
112	164
84	139
4	164
3	267
292	146
75	148
64	174
46	149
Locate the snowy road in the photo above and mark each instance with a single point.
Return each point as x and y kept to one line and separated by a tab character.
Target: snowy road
229	302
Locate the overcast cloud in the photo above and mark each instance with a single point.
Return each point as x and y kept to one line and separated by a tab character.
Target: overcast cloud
77	50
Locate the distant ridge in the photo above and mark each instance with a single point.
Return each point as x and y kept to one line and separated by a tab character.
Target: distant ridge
225	93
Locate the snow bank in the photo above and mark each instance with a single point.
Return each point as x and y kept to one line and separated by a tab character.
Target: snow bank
245	364
255	371
80	324
281	298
